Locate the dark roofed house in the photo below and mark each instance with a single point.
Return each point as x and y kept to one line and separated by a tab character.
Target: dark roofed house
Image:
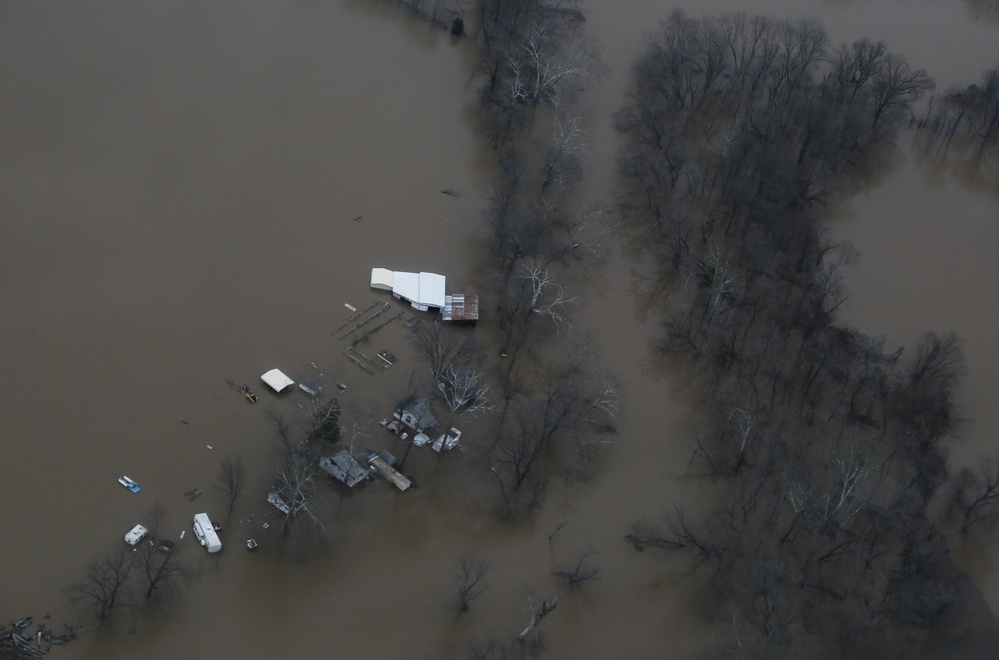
461	308
415	413
344	468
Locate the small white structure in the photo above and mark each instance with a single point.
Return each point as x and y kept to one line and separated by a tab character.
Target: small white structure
137	534
205	531
277	380
421	290
274	497
447	441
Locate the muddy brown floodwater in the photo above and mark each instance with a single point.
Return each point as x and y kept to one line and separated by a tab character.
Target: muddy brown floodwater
190	193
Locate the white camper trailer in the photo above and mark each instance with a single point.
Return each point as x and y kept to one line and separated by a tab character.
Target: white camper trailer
136	534
205	532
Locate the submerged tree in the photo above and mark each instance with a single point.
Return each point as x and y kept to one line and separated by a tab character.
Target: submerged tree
581	570
162	569
471	579
964	118
231	481
105	584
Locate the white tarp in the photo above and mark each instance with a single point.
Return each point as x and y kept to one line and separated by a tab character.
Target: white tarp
277	380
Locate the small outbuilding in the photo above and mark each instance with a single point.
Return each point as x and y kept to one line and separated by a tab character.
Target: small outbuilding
311	386
461	308
277	380
415	413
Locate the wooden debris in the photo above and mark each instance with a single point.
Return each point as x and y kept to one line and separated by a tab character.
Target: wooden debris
353	359
375	329
547	607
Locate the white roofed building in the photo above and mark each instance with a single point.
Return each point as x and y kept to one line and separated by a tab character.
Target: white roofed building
422	290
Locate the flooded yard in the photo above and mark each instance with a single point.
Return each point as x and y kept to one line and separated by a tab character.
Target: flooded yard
191	194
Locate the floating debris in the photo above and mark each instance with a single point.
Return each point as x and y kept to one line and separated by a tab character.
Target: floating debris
311	386
182	420
351	308
193	493
453	192
242	389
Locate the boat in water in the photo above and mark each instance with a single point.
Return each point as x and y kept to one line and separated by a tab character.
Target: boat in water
129	484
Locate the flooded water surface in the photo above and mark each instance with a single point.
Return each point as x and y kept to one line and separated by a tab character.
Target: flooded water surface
191	193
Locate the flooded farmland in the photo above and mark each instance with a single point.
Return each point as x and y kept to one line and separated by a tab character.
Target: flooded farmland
191	194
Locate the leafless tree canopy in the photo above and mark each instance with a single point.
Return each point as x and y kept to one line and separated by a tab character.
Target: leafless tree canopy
161	572
299	484
964	118
581	570
471	579
231	481
825	446
105	585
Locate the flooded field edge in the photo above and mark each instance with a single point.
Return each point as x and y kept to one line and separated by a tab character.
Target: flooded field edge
191	215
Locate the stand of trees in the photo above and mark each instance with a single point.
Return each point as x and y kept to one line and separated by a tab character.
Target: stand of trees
966	118
300	485
825	448
125	578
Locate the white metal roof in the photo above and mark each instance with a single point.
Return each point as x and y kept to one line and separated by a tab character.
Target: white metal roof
407	285
432	289
423	290
381	278
277	380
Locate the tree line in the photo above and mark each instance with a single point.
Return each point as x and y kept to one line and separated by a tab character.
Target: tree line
824	448
965	121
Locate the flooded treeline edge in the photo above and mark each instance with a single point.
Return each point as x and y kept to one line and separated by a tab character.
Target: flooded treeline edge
826	450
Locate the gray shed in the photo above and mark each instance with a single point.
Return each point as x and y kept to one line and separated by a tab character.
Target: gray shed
344	468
